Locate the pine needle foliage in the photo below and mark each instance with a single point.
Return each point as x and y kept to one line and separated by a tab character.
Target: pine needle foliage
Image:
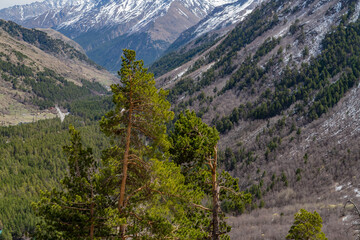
307	226
194	148
75	210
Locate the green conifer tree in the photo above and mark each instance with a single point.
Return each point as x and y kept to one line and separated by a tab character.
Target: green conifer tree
137	128
307	226
194	148
76	210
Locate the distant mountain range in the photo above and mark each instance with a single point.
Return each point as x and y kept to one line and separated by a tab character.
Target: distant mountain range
104	27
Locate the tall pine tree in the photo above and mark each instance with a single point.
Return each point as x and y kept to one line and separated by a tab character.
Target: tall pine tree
137	128
76	210
194	148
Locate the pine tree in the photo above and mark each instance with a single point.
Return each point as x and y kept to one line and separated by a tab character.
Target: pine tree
76	210
306	226
194	148
137	127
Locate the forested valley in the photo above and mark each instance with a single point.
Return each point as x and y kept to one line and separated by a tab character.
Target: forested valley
162	199
254	137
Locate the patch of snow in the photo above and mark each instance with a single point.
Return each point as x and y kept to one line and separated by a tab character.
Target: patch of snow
61	114
357	192
281	33
231	14
357	13
346	218
182	13
21	13
134	14
338	188
182	73
217	3
179	75
47	14
338	7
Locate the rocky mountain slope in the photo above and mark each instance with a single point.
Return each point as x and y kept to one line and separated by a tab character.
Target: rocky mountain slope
220	21
103	28
38	71
282	88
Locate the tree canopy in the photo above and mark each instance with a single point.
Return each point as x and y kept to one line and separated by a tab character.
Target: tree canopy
307	226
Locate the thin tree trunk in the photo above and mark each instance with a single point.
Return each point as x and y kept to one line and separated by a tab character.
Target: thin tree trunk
125	163
216	200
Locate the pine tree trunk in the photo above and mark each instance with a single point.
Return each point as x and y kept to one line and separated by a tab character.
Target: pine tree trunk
125	163
216	200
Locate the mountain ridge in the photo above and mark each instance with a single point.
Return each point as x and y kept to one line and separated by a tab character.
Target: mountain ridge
37	72
98	25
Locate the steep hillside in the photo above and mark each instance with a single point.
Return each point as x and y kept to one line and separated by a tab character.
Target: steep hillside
56	35
104	28
282	88
203	35
220	20
37	72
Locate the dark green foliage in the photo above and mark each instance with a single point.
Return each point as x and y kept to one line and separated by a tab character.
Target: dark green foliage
92	108
192	141
16	70
31	159
20	56
51	89
284	179
136	175
274	143
340	55
298	174
255	25
194	148
294	27
229	160
307	225
76	210
187	85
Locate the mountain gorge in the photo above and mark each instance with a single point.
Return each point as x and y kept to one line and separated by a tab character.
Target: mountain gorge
103	28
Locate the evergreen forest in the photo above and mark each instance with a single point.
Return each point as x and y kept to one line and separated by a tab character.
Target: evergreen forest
129	178
248	131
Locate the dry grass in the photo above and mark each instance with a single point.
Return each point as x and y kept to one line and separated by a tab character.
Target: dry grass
14	108
274	223
70	69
